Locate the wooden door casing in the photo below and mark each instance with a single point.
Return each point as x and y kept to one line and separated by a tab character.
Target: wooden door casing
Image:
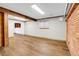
4	41
1	29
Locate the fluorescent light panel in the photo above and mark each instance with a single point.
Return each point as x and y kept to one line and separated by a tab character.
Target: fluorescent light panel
37	9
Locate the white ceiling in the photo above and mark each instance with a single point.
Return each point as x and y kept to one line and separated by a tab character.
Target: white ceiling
50	9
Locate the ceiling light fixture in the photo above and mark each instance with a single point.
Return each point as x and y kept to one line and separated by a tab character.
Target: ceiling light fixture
37	9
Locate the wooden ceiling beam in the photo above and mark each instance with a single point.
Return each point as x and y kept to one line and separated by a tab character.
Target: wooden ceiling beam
51	17
16	13
71	9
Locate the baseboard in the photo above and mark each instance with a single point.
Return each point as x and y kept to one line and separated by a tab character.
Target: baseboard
19	34
11	37
46	38
42	37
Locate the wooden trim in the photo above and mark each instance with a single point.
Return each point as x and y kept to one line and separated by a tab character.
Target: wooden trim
6	40
4	29
1	29
46	38
16	13
51	17
42	37
71	10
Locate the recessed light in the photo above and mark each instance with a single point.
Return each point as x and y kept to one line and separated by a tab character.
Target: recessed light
37	9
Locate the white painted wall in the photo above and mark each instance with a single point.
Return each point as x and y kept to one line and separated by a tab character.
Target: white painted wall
12	29
57	29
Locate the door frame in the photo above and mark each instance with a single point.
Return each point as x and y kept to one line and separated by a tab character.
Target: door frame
4	34
6	12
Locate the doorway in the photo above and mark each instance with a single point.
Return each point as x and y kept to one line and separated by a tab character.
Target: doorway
3	30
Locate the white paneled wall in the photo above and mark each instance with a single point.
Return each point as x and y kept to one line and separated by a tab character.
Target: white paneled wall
57	29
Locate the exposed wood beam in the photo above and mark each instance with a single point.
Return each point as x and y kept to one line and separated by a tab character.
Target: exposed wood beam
51	17
16	13
4	41
71	9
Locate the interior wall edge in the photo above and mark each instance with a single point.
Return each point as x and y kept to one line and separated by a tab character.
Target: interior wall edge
45	37
41	37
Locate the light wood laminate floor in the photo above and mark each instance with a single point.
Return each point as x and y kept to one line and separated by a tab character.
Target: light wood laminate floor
31	46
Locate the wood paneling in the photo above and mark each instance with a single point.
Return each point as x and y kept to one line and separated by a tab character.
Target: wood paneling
71	10
73	30
6	40
3	29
